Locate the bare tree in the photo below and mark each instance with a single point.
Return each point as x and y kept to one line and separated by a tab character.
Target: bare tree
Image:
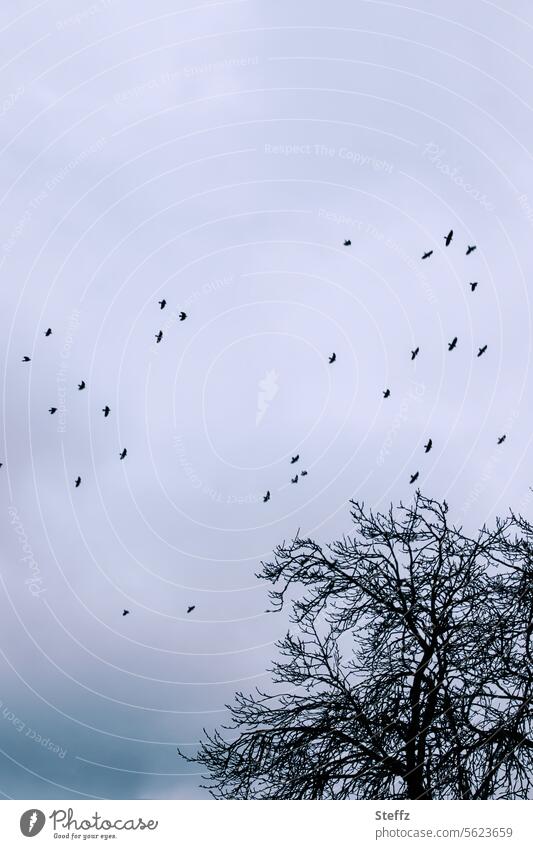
407	673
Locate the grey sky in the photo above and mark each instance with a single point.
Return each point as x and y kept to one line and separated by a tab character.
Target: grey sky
217	155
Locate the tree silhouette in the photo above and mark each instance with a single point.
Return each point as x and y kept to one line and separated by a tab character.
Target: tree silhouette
407	673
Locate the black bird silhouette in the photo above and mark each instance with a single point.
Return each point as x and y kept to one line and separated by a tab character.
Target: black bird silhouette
452	344
502	439
333	358
182	316
77	481
266	497
295	479
482	351
303	474
445	506
162	304
81	385
428	446
190	608
48	332
52	410
473	285
386	394
123	453
1	464
106	410
158	337
295	459
414	353
26	359
470	248
448	238
347	243
125	612
427	254
414	477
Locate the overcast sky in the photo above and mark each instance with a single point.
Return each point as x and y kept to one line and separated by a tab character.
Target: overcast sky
217	155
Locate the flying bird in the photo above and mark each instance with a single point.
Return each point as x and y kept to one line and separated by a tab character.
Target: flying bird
473	285
427	254
295	459
502	439
190	608
448	238
303	474
266	497
482	350
347	243
123	453
48	332
106	410
77	481
414	353
158	337
81	385
452	344
470	248
52	410
182	316
125	612
332	358
162	304
386	394
294	479
414	477
428	446
26	359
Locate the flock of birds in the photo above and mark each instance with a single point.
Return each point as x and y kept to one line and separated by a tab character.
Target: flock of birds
414	354
106	411
332	359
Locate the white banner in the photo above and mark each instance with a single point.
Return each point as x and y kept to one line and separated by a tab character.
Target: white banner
266	824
